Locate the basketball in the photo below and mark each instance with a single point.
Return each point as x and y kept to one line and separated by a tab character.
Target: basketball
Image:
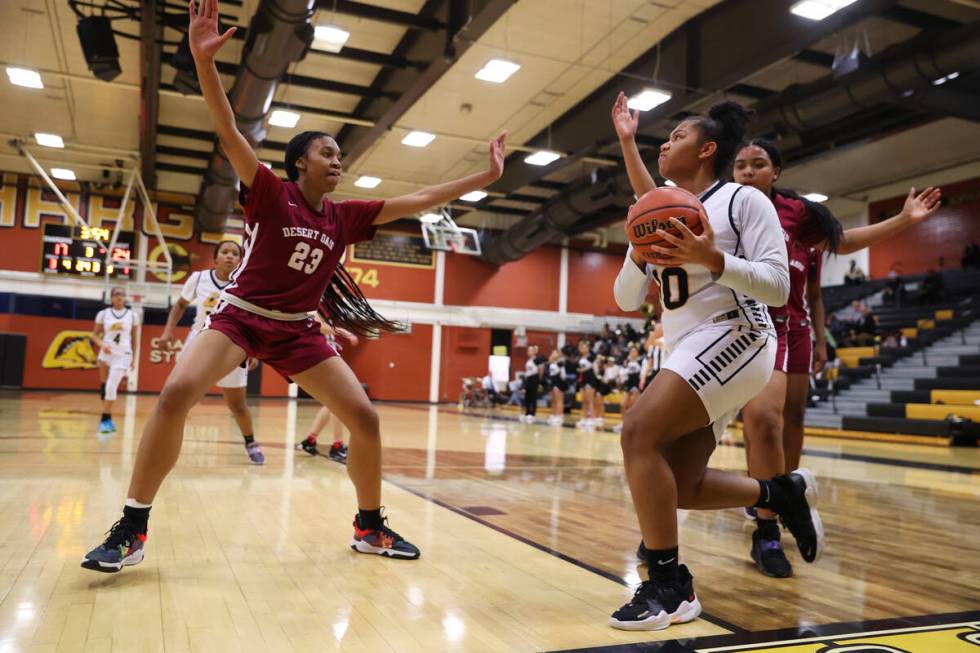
650	215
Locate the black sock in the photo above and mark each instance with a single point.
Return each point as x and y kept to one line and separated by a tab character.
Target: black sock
249	439
662	565
369	518
772	495
137	516
105	416
102	391
768	528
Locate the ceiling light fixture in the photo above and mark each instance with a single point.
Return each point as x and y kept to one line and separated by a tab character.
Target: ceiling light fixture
815	197
497	71
542	158
430	218
330	38
365	181
48	140
418	139
473	196
63	173
818	9
281	118
24	77
648	99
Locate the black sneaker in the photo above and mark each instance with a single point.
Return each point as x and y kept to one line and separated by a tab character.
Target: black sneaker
123	547
338	452
382	541
800	514
654	607
768	553
309	446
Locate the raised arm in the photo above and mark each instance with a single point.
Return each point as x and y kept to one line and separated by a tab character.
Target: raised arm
626	122
205	42
430	196
917	209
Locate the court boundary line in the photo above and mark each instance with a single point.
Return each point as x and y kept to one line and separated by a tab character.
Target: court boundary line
782	637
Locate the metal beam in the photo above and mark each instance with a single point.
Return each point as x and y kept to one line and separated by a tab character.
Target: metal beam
815	58
381	14
722	58
151	33
916	18
412	87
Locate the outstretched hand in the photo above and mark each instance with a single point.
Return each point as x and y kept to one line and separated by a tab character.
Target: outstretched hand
497	147
202	31
919	207
624	120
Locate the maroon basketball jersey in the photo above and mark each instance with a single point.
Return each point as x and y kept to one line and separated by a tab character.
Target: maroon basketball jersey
801	230
291	250
799	265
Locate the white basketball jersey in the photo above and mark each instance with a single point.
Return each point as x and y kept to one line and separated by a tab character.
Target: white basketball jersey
203	289
118	328
746	227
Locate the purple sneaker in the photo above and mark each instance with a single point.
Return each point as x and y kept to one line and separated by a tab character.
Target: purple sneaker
254	452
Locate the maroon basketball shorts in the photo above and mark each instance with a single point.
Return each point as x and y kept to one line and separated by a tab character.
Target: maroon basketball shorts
799	356
289	347
782	348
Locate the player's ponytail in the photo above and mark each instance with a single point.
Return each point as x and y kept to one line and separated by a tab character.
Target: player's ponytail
725	125
344	305
832	229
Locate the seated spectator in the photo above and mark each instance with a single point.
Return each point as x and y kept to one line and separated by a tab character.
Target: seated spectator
516	391
971	256
932	288
894	293
490	390
855	276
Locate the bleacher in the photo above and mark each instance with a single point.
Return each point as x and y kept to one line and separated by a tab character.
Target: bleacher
929	387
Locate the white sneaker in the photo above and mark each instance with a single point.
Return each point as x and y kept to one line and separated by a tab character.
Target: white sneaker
618	428
585	424
599	421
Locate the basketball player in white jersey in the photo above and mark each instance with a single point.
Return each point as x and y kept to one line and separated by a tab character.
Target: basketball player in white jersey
203	289
721	347
115	335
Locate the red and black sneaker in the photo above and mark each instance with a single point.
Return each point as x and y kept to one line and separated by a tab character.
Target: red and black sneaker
382	541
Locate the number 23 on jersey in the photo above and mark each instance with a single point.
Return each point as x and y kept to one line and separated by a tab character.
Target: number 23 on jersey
305	258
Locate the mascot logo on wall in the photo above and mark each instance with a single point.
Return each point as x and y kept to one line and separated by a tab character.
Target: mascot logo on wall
70	350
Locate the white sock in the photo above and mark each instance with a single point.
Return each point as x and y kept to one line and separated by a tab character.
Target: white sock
133	503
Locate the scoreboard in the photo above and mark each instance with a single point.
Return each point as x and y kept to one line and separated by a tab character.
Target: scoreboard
67	249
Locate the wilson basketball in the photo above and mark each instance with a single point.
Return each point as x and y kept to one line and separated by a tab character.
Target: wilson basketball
648	218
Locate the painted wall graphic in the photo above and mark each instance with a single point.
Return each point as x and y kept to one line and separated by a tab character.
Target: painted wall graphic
25	207
70	350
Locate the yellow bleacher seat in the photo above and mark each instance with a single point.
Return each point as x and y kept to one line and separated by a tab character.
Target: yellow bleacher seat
850	356
946	314
958	397
940	412
910	332
927	324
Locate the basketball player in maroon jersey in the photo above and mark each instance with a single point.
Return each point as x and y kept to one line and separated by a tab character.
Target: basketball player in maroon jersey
810	225
294	237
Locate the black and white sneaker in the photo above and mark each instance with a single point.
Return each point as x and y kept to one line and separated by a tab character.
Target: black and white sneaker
654	607
338	452
800	515
767	552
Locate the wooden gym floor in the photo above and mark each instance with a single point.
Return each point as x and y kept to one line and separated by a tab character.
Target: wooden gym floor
526	531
